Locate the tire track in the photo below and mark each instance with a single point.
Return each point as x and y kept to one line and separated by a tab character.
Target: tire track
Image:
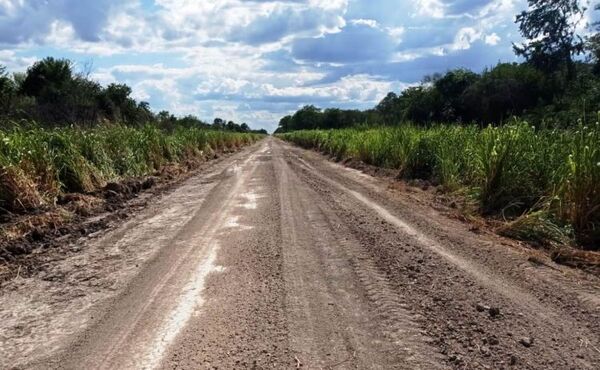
379	317
444	285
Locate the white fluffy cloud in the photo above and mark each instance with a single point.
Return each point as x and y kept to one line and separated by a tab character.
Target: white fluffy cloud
256	60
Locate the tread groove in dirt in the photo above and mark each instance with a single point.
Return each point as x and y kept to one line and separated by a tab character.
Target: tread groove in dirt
285	260
467	341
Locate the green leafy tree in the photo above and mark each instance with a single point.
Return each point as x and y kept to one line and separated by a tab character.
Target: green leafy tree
421	104
7	90
118	105
592	45
309	117
48	80
390	107
549	27
451	88
285	124
504	91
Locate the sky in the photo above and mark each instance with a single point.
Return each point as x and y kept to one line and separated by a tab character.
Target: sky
255	61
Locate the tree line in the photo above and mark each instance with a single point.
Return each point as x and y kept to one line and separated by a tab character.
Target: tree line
51	93
557	83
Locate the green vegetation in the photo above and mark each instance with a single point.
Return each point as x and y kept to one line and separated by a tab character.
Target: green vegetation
61	132
37	164
547	181
559	79
540	172
52	94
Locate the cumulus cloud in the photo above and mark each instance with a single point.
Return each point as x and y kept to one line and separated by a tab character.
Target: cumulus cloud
22	21
283	21
357	42
256	60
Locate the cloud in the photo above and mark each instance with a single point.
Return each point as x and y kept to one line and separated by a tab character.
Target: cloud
257	60
22	21
357	42
284	21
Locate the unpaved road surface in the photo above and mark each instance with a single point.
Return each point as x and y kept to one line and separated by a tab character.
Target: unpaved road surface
277	258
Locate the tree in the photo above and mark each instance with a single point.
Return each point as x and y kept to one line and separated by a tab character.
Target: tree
550	29
309	117
504	91
118	105
592	45
285	124
48	80
118	94
7	90
6	83
421	104
219	124
332	118
451	87
80	102
231	126
389	107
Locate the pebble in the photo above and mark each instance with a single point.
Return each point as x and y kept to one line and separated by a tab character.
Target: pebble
481	307
493	341
526	341
494	311
455	358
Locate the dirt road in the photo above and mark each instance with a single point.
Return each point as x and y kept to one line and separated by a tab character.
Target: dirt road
277	258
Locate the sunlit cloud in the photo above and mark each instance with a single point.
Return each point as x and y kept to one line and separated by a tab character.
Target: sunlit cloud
255	61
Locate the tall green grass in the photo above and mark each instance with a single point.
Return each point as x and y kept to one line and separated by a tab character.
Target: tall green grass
510	171
37	164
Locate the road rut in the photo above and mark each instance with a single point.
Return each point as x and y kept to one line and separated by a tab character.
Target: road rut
278	258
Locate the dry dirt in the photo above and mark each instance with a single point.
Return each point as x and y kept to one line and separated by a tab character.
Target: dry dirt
277	258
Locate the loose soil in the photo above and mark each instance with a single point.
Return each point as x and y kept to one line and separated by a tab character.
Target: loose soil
277	258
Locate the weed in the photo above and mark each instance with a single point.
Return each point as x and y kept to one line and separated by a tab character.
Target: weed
508	170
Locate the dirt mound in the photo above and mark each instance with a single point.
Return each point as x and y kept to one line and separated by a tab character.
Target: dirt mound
28	224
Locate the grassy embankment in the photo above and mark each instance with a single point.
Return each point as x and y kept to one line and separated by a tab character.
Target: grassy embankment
38	165
545	183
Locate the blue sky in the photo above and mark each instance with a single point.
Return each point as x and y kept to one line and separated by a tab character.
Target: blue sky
255	61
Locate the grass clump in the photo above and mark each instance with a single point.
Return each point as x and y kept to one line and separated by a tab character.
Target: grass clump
510	170
37	164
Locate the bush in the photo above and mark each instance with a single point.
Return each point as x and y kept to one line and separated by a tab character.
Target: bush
512	170
38	164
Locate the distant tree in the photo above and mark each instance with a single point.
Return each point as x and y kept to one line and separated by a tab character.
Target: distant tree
509	89
145	114
145	106
7	90
451	88
6	83
231	126
218	124
390	108
118	105
549	26
285	124
164	116
592	44
244	127
309	117
80	102
48	80
421	104
118	94
332	118
19	79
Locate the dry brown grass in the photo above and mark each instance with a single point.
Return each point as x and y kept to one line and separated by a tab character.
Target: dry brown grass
18	193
